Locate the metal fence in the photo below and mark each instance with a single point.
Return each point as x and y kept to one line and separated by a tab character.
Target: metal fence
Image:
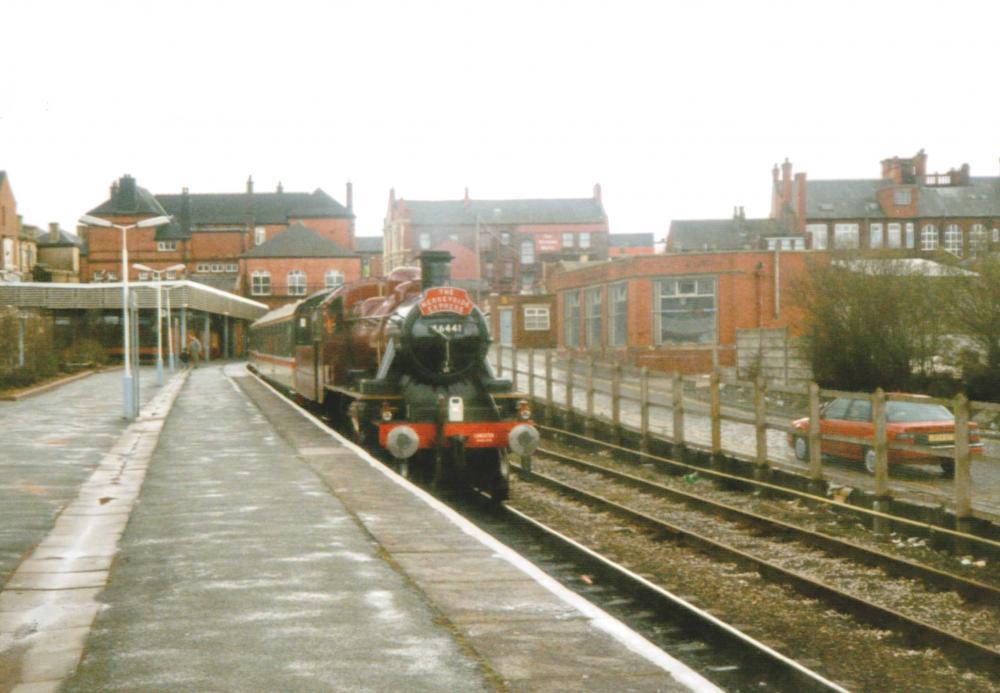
750	421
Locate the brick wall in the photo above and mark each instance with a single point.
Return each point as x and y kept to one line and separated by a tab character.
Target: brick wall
314	268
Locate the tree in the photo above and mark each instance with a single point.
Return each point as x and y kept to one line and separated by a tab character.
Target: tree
869	324
973	311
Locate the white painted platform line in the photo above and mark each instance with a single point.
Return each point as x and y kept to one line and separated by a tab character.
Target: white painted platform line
49	604
599	618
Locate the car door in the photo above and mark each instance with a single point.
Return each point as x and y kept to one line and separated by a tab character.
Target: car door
832	421
859	424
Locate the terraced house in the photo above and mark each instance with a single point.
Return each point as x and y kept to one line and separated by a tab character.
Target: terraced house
213	233
906	209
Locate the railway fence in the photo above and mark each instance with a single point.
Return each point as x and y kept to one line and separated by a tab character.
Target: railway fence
726	424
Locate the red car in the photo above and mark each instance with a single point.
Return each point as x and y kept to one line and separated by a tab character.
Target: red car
907	422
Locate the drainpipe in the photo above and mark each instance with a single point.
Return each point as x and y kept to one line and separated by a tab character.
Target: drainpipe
777	281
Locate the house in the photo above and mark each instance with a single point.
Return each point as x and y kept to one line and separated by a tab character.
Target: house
209	232
509	240
296	263
678	311
738	233
906	209
370	250
620	244
58	255
13	265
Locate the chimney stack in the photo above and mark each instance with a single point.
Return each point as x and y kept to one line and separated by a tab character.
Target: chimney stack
249	185
53	231
597	192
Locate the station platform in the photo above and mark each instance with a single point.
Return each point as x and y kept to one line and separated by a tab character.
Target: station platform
226	541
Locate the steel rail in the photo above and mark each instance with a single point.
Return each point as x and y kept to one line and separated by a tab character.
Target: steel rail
763	485
914	630
894	565
657	598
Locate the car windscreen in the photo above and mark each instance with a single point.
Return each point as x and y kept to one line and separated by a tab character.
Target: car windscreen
901	412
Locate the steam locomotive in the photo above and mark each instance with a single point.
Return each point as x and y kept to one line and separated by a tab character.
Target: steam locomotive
402	361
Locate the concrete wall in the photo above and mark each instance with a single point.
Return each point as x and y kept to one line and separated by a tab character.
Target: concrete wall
773	355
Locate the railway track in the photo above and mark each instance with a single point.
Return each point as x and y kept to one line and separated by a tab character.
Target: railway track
749	541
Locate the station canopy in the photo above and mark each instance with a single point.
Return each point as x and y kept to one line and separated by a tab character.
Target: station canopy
183	294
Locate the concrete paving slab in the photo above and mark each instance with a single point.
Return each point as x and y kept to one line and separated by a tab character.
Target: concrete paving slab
56	581
26	600
65	565
46	665
47	617
456	567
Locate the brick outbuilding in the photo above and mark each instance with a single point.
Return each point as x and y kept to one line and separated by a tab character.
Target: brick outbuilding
677	312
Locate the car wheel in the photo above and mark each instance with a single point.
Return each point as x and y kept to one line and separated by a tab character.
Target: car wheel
948	469
801	449
870	461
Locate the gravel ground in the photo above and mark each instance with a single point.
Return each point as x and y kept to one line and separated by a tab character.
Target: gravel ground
857	656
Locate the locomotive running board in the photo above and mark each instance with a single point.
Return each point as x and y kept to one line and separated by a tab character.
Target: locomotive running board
354	394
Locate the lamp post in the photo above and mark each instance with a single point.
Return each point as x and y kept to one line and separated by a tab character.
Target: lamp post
159	313
170	331
130	403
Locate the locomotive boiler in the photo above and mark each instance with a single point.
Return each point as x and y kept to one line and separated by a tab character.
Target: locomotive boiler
403	362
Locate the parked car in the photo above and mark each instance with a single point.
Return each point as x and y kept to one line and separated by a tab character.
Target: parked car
907	422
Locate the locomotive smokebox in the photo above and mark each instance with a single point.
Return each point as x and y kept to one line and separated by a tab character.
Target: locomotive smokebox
435	268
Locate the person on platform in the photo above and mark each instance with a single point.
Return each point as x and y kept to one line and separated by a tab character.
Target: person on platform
194	347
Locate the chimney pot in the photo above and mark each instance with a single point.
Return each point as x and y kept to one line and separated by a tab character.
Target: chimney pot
350	196
597	191
249	185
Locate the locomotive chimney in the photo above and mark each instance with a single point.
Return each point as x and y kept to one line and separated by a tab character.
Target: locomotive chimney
435	268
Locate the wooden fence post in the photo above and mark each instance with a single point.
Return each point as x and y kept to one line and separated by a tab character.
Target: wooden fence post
715	414
588	423
963	470
877	461
569	393
761	469
816	482
531	376
677	395
549	404
644	409
616	403
514	370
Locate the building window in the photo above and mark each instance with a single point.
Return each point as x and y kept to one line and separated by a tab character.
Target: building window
166	246
894	236
845	236
953	239
259	235
567	240
977	238
571	319
508	270
505	237
112	276
685	311
818	234
527	282
527	252
585	239
910	233
875	236
333	278
260	283
144	276
996	235
171	274
592	318
902	197
202	267
216	266
296	283
232	267
618	314
929	237
425	241
536	318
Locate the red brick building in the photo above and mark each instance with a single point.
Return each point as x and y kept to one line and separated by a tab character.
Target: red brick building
209	232
509	240
677	311
906	209
10	234
296	263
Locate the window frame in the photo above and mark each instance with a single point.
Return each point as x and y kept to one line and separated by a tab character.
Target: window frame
260	283
327	276
683	297
296	282
536	318
617	333
528	258
571	318
593	313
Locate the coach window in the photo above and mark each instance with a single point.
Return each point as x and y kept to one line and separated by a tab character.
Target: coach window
571	319
685	311
296	283
260	283
332	279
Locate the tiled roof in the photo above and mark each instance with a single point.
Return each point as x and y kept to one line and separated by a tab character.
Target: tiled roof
368	244
542	211
299	241
721	234
64	239
857	199
630	240
266	208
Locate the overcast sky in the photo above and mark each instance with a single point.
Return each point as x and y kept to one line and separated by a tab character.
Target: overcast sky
678	109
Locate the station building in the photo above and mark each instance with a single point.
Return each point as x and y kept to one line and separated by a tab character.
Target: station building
679	311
